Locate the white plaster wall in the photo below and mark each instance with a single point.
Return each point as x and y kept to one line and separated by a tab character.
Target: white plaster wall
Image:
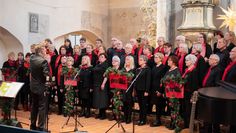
64	16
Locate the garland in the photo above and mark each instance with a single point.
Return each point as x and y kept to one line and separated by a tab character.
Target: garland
174	83
69	92
9	73
117	93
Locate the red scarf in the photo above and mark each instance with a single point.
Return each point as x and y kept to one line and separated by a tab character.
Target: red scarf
76	56
90	56
159	49
198	57
59	72
119	50
83	66
140	52
181	63
149	56
11	63
57	61
134	49
177	52
227	69
51	54
206	77
26	64
96	51
165	59
188	71
203	53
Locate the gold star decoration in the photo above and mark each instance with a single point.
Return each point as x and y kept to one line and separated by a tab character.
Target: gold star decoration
229	18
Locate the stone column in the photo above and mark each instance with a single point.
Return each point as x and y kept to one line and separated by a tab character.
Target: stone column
162	14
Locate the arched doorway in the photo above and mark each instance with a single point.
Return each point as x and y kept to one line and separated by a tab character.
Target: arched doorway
8	43
90	36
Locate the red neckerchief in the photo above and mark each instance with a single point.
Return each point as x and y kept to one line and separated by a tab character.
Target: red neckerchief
206	77
51	53
11	63
26	64
181	63
149	56
227	69
159	49
165	59
59	72
119	50
198	57
96	51
177	52
90	56
188	71
203	53
134	49
83	67
140	51
57	61
76	56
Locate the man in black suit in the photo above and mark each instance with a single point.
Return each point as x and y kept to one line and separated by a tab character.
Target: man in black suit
39	69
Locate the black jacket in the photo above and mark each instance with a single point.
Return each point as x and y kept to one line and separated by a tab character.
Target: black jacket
39	70
231	75
214	77
143	82
157	74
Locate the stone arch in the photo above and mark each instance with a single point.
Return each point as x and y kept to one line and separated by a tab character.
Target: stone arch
90	36
8	43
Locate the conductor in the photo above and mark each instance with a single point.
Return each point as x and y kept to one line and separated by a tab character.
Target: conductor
39	70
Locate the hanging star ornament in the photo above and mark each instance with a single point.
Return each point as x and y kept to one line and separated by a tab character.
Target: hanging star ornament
229	19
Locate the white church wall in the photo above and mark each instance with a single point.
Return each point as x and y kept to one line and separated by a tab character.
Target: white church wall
56	17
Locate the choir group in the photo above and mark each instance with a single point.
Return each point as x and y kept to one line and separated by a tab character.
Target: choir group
201	65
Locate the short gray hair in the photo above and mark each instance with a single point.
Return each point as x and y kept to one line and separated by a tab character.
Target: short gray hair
185	47
181	38
191	58
144	57
198	47
116	58
215	56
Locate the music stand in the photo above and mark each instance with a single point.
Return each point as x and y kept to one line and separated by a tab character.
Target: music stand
118	120
9	90
75	111
129	88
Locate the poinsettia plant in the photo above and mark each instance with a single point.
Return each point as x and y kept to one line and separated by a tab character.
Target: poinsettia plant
69	73
117	92
174	90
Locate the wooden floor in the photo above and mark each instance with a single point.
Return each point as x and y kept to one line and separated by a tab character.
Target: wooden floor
91	125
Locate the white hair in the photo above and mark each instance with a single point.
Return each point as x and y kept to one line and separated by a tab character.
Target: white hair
191	58
198	47
184	46
215	56
129	45
181	38
116	58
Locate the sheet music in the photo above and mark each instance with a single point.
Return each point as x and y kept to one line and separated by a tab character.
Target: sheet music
10	89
